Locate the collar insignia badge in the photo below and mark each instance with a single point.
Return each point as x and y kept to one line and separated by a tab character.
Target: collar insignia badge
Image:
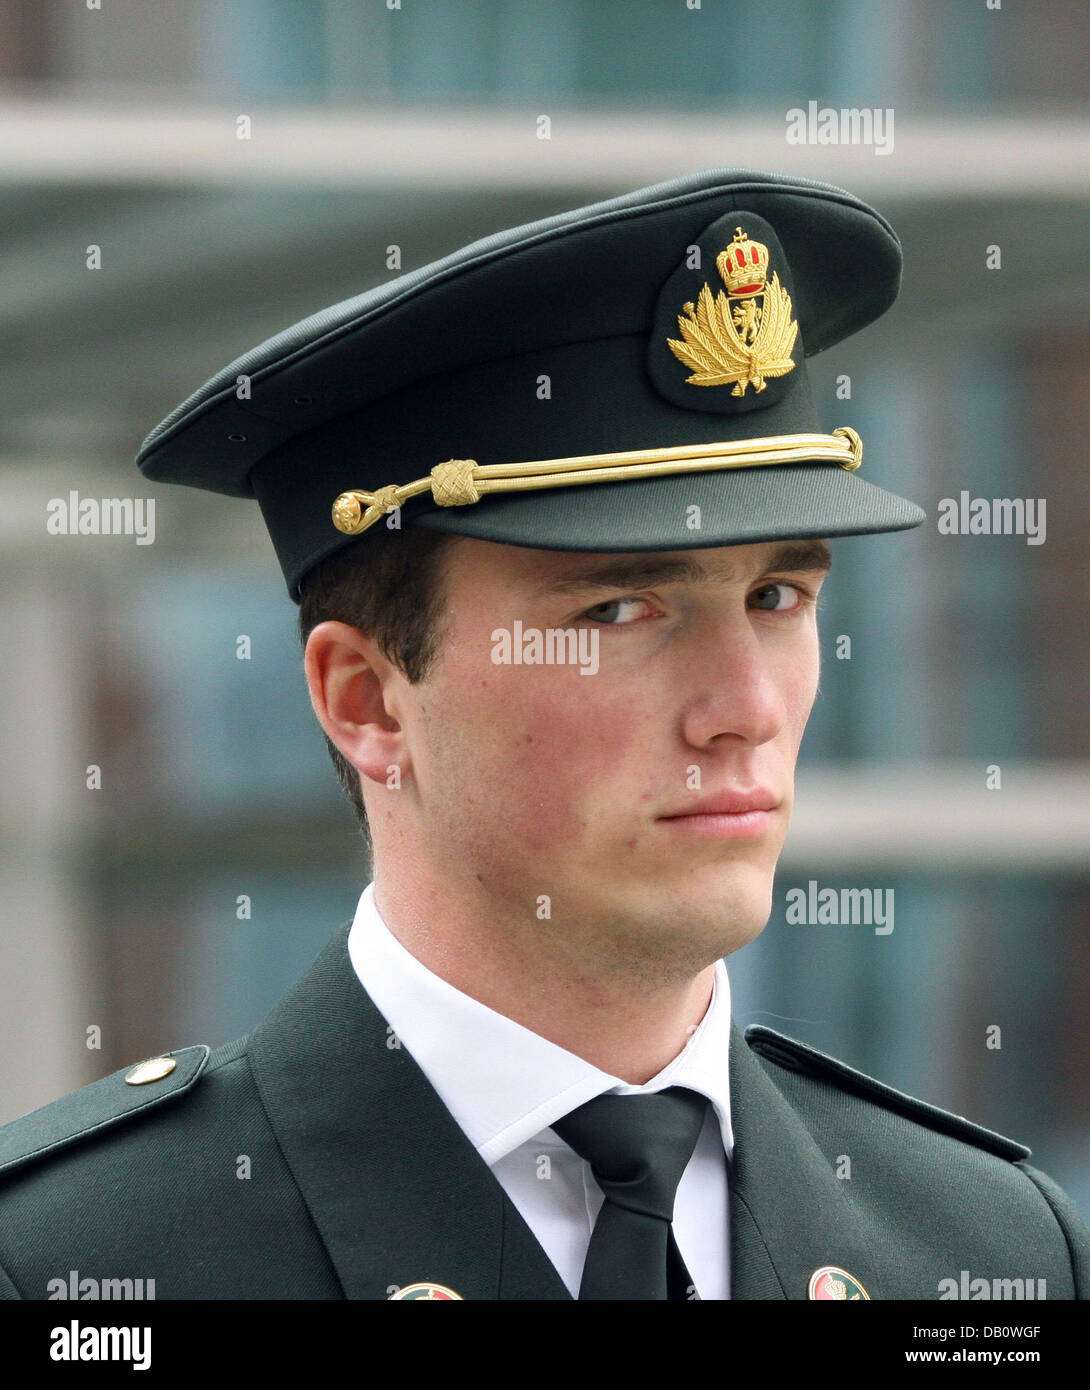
426	1290
830	1284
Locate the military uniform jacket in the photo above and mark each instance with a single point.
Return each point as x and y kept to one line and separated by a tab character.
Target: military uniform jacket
312	1159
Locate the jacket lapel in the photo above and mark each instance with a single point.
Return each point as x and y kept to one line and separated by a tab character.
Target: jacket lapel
399	1195
789	1212
395	1189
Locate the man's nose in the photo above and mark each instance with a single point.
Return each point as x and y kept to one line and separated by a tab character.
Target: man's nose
734	691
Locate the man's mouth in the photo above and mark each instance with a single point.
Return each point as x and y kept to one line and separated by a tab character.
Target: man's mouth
732	814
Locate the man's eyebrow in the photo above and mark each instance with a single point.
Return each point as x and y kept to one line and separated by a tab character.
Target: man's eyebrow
807	557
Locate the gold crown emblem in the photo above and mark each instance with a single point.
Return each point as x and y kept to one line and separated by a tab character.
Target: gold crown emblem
738	344
743	265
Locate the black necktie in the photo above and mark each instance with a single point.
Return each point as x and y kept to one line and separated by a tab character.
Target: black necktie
637	1147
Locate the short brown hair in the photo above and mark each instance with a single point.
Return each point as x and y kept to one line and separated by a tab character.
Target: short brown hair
389	584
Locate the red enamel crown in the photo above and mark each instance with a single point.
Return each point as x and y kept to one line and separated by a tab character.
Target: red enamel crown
743	265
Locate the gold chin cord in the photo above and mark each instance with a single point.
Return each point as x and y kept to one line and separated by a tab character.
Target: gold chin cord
459	482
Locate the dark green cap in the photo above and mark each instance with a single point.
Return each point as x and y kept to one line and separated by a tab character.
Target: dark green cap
674	317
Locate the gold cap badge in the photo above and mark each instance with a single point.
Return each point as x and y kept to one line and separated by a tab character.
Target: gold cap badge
742	342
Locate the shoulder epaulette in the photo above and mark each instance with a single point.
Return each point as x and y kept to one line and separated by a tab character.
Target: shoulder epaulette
796	1056
100	1105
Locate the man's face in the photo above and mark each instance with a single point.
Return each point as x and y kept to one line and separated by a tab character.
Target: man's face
535	781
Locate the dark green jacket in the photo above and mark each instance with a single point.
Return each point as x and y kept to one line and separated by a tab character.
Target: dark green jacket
361	1182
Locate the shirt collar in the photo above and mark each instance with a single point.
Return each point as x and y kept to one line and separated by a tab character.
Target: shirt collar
516	1083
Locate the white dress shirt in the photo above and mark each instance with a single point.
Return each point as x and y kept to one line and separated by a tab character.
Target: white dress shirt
505	1085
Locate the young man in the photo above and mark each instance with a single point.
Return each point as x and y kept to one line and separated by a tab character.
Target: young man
556	512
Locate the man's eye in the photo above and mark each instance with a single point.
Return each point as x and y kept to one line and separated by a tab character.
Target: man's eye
778	598
607	613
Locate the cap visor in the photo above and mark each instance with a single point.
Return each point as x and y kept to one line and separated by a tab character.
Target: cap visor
683	512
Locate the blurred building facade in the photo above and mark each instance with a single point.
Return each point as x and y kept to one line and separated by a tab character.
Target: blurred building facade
174	902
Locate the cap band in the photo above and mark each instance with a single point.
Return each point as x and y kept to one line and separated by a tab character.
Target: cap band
460	482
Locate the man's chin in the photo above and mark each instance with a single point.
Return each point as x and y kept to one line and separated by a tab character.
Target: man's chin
720	933
692	925
727	903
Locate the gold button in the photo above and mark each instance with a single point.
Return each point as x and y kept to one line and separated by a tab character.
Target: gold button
154	1070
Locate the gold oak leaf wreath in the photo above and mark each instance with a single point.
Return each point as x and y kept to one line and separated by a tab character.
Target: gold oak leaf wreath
718	356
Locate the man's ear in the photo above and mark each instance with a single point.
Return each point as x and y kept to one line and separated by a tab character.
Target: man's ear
354	694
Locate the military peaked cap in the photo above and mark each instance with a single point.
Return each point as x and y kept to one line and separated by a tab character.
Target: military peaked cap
627	376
